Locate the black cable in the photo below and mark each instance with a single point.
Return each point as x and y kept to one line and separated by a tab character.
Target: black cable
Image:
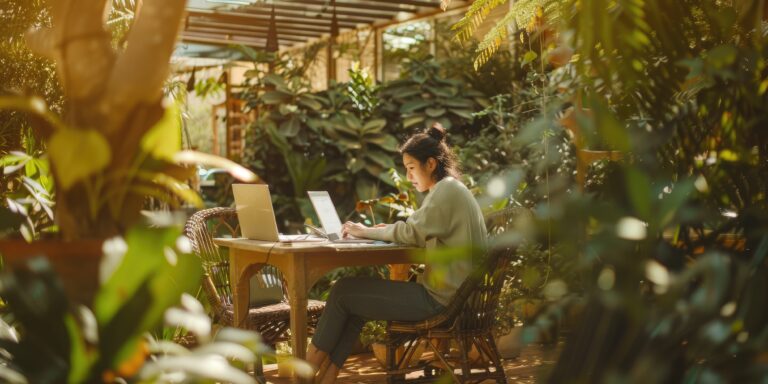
266	262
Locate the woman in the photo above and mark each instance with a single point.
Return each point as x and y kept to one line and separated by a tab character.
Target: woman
449	217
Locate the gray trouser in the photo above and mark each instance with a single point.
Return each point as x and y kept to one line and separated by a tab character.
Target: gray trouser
355	300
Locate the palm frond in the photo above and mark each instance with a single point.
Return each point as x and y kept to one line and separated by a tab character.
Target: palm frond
475	16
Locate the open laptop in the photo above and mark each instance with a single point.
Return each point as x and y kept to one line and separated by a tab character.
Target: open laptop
329	218
257	217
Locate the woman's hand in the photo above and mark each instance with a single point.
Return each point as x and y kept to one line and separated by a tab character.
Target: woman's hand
353	229
380	225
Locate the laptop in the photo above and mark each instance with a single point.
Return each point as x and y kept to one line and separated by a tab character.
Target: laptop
329	218
257	217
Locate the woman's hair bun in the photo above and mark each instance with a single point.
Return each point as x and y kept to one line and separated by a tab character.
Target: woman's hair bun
436	131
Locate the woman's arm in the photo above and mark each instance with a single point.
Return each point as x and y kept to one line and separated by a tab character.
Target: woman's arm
432	219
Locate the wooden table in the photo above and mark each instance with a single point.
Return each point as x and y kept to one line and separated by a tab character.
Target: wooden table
302	264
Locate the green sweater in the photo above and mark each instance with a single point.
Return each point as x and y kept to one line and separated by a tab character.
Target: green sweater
449	218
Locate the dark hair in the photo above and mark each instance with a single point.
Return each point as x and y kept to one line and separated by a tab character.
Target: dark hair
431	143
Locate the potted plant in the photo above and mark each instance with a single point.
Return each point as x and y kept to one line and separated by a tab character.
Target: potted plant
61	344
115	143
374	333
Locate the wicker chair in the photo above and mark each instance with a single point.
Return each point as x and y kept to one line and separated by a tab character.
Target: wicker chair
271	321
468	320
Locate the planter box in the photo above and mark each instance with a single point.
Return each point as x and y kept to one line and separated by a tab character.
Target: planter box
76	263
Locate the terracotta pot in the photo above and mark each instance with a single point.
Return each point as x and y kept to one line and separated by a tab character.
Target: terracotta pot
76	263
510	345
380	352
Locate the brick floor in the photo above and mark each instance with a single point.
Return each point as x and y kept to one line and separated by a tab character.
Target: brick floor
532	364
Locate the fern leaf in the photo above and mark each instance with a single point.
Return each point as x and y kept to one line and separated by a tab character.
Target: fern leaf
493	40
475	16
525	9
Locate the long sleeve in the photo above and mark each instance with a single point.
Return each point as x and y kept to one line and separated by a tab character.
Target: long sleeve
427	222
449	217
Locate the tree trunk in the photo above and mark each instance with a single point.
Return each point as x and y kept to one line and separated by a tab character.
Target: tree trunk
117	93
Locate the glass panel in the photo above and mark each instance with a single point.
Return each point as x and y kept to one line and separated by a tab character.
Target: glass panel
402	41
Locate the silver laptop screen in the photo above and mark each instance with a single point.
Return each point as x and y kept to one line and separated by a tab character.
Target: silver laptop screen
326	211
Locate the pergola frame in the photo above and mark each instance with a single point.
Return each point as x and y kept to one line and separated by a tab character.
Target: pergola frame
298	22
285	24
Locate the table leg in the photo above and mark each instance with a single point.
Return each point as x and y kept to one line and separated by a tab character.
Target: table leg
296	279
240	288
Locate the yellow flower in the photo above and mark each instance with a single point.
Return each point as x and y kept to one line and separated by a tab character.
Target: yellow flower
402	196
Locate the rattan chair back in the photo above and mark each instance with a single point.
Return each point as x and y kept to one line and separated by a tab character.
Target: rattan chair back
468	318
201	229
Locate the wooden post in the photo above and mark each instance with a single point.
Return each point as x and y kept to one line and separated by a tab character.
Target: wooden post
331	62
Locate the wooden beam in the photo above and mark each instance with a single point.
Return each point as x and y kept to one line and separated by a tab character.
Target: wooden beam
348	4
302	25
236	28
217	41
323	10
292	28
257	19
461	8
417	3
228	32
304	13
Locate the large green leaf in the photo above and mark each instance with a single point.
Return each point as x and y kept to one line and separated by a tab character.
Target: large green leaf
150	278
310	102
374	126
528	58
81	357
381	158
342	125
306	174
275	80
463	113
290	127
164	139
172	185
348	143
458	103
412	120
353	122
384	141
639	188
143	257
278	140
77	154
435	112
374	169
275	97
415	105
355	165
406	92
443	91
